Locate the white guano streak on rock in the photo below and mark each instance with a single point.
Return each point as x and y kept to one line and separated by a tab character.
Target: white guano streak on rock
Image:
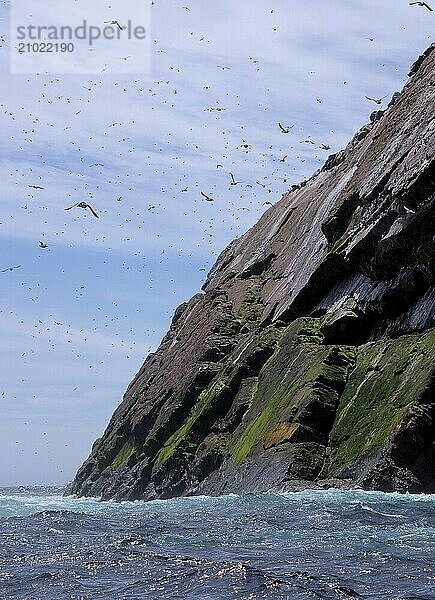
311	252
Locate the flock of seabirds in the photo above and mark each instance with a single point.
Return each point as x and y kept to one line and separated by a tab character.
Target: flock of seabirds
284	129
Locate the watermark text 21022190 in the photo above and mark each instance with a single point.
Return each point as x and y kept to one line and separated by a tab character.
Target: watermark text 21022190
83	37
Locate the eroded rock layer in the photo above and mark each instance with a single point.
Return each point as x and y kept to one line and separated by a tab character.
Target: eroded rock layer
309	357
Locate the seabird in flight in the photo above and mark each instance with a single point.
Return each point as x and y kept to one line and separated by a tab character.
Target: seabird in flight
376	100
285	129
84	205
114	23
207	197
233	181
423	4
11	268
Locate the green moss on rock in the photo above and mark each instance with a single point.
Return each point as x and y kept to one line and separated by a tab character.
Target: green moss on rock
123	455
107	454
301	379
388	378
204	402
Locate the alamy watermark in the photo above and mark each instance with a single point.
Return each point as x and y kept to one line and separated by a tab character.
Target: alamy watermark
78	36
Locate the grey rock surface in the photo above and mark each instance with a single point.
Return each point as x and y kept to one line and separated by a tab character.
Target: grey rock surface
308	358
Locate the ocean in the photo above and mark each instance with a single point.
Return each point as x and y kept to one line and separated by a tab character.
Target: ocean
313	544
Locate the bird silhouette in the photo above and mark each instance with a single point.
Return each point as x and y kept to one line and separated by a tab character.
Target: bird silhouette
423	4
115	23
11	268
233	181
208	198
36	187
285	129
376	100
42	245
85	206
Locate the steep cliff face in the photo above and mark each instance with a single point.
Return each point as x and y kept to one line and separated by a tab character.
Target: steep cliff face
309	356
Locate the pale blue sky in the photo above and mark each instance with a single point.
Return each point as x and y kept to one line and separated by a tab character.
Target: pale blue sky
79	317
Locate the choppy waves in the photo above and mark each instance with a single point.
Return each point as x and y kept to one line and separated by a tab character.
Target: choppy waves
312	544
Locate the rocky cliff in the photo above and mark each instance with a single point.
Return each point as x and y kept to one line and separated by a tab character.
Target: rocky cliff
309	356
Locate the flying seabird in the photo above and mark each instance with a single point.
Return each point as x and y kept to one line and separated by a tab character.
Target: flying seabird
285	129
43	245
376	100
11	268
264	186
233	181
115	23
283	158
325	147
269	203
207	197
423	4
84	205
36	187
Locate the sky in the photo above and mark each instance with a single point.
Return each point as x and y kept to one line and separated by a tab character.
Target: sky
79	316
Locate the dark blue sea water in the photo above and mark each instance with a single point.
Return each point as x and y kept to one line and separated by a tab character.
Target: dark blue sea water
330	544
